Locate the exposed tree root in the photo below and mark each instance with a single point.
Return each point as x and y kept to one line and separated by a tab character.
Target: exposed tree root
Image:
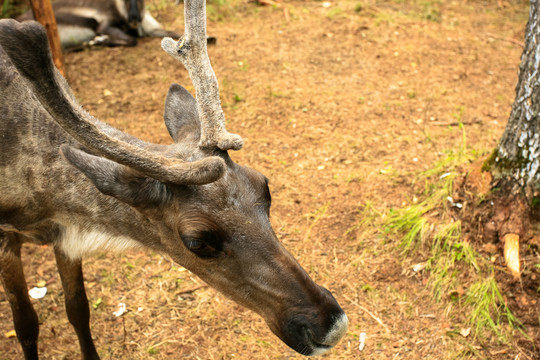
492	208
501	220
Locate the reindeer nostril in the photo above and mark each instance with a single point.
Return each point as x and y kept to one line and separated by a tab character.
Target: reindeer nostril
312	339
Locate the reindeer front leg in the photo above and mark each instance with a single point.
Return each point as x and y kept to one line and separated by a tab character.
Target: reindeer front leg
76	302
24	315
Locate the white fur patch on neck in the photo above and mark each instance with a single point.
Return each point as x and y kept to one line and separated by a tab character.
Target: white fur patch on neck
76	243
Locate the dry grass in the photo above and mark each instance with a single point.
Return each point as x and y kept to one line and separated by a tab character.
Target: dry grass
340	107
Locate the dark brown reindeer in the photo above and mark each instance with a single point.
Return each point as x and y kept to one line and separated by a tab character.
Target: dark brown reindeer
71	181
103	22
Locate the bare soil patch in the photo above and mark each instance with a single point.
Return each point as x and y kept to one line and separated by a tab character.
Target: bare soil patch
340	106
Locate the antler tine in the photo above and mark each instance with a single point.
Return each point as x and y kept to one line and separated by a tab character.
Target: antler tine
191	50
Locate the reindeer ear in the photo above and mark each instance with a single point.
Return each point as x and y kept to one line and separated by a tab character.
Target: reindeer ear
117	180
182	115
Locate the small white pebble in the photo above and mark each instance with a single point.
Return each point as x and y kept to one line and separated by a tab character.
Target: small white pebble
37	292
445	175
121	310
362	340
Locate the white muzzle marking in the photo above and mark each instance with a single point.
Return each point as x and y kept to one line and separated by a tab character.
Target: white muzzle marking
336	333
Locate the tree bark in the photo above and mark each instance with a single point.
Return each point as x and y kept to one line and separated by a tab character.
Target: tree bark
43	13
515	163
518	154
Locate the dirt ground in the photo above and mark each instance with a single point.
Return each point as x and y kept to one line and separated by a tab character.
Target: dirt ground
340	105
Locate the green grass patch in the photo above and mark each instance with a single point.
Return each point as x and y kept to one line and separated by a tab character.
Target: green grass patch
429	10
456	272
5	7
487	307
222	10
334	12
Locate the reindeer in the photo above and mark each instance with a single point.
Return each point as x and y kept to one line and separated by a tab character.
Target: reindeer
103	22
79	185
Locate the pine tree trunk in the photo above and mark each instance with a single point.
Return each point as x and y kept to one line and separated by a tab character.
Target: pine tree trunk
517	156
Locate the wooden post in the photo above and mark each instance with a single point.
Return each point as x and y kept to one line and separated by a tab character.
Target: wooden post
43	13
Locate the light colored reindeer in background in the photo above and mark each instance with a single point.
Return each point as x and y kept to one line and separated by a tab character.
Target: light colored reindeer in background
79	185
103	22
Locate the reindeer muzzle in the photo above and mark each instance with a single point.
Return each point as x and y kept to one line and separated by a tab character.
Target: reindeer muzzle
315	329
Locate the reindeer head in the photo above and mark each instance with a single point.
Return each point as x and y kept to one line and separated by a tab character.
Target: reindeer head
199	207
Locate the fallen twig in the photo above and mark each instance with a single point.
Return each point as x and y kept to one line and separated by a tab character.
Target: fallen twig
456	123
515	42
376	318
190	290
268	2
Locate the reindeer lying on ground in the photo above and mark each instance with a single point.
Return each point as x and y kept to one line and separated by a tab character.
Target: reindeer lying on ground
79	185
103	22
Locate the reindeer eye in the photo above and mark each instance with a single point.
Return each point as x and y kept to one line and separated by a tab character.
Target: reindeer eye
195	245
205	245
